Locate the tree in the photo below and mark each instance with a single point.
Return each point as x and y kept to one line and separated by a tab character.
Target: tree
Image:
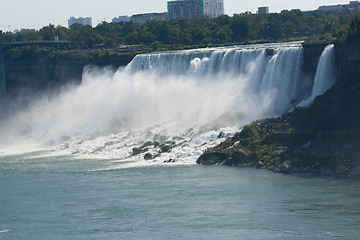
48	32
240	27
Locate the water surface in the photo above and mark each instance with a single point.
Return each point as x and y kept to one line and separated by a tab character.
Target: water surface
58	199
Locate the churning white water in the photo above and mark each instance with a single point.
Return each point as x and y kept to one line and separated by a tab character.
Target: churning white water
184	100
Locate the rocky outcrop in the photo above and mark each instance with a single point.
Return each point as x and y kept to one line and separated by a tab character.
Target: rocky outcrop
347	57
323	138
282	146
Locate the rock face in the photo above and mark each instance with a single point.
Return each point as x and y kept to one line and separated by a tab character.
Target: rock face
30	71
312	53
322	138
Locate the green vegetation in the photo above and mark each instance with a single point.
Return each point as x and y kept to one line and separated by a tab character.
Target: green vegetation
352	35
201	31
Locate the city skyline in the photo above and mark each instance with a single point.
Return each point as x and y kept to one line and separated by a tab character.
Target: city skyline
36	14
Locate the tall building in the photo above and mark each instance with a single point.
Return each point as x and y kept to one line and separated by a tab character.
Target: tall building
263	10
83	21
193	8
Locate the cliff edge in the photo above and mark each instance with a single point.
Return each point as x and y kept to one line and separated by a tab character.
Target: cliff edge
323	138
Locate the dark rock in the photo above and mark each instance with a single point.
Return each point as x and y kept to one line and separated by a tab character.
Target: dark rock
166	148
147	144
148	156
137	151
156	156
170	161
212	158
221	135
30	71
270	52
236	159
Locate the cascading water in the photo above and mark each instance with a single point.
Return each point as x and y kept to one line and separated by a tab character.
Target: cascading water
324	77
176	103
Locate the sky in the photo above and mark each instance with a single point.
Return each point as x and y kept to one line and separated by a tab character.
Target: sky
35	14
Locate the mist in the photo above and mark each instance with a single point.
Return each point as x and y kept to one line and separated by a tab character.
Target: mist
170	94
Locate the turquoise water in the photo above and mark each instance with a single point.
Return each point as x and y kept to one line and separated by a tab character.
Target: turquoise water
64	198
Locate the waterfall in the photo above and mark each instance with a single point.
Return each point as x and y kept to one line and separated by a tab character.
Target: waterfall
189	99
325	76
270	73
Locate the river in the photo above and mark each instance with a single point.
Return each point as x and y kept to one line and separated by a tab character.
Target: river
64	198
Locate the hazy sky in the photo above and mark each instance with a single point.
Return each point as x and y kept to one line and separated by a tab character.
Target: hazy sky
17	14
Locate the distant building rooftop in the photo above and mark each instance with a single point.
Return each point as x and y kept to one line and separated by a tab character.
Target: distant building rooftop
193	8
353	5
121	19
142	18
83	21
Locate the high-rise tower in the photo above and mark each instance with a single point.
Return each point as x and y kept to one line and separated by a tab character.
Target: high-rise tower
193	8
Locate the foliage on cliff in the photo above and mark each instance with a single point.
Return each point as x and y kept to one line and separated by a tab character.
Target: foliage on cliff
240	28
353	34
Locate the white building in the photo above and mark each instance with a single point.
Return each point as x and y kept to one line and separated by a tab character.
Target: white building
192	8
121	19
83	21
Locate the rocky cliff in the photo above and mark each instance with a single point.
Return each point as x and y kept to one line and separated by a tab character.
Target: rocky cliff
33	70
322	138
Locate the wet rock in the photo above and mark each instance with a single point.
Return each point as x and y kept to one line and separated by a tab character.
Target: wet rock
212	158
148	156
136	151
170	161
270	52
222	135
147	144
166	148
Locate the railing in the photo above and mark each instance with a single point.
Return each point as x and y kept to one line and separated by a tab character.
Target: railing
16	44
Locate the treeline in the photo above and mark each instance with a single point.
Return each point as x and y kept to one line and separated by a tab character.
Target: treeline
240	28
352	35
